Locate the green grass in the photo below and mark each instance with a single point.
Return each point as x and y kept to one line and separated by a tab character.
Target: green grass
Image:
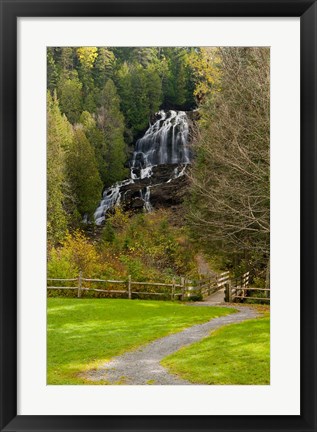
82	333
234	354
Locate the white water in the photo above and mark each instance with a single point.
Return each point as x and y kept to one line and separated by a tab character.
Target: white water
165	142
111	198
146	198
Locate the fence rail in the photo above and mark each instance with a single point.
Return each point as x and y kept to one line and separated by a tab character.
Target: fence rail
173	288
236	289
240	290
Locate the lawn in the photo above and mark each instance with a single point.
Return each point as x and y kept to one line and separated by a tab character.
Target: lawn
82	333
234	354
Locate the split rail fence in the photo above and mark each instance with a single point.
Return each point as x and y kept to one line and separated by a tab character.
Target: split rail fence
127	287
235	290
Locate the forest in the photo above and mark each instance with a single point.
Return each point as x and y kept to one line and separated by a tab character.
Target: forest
100	102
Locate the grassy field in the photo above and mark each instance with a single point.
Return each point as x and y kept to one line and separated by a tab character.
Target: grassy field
82	333
235	354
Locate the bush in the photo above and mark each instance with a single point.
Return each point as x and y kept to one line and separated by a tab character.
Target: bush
76	254
146	246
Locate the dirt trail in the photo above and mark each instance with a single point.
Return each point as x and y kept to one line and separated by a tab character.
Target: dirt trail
203	266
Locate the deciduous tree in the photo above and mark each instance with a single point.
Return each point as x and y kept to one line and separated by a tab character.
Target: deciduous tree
230	207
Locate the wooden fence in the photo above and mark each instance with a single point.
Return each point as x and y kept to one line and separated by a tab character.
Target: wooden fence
238	290
125	287
235	290
184	289
205	287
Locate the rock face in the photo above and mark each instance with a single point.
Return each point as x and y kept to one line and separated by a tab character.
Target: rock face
158	169
166	187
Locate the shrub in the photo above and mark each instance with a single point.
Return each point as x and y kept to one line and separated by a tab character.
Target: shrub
76	254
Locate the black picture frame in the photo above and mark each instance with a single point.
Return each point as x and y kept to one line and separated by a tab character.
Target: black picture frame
10	11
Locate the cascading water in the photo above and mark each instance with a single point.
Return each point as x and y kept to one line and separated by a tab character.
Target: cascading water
145	196
164	143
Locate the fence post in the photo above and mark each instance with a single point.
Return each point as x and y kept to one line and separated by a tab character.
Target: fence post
245	283
173	289
228	293
183	287
79	284
129	287
230	290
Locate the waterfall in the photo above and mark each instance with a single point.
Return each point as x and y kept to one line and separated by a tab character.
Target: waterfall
111	197
164	143
145	196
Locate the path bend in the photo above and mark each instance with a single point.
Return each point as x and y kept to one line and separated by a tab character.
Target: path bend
142	366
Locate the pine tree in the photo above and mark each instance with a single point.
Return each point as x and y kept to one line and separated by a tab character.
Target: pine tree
59	139
67	59
83	173
154	89
123	84
111	121
97	139
87	57
52	70
178	85
103	67
144	56
139	110
69	92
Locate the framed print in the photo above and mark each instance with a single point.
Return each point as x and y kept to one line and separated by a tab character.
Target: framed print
158	158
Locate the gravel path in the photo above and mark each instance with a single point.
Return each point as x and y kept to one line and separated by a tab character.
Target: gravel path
142	366
216	298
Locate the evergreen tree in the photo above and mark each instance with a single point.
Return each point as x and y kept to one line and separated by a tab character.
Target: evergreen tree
67	59
178	85
179	79
52	70
123	83
83	173
144	56
87	57
139	109
97	139
154	89
69	91
59	139
134	94
104	67
111	121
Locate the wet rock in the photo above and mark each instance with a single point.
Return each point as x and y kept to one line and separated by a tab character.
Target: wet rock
158	168
166	189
